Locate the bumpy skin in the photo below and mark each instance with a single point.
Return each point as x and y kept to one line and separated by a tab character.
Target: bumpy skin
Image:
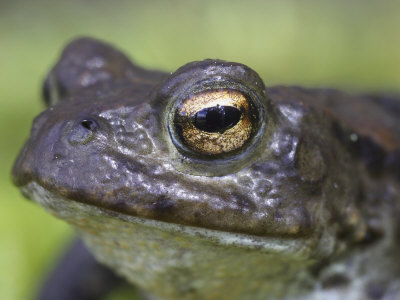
308	209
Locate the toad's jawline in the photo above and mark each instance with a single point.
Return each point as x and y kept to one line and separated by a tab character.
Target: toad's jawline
64	208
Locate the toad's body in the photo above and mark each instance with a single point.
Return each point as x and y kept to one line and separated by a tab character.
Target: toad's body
279	193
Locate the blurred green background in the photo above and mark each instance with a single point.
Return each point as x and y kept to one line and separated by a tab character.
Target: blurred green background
353	45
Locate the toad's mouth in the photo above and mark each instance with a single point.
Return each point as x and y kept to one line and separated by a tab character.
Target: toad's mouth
93	219
80	215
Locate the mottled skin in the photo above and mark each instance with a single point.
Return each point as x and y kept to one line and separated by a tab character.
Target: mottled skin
308	209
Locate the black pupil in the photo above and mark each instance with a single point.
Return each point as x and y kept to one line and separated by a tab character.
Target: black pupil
89	124
216	118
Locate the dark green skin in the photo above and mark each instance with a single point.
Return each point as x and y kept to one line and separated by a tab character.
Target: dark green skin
326	161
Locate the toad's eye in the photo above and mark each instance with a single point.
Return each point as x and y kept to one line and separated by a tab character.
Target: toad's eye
215	122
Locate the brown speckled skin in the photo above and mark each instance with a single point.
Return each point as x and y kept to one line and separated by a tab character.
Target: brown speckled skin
324	163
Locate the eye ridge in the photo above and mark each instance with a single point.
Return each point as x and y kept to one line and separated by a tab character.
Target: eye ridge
216	118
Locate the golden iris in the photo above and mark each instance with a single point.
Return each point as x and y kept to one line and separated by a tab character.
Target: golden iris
215	122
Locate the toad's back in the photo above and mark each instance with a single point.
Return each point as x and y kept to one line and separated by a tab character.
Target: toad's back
372	122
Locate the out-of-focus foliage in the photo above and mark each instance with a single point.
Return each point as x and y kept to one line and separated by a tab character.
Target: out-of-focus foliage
346	44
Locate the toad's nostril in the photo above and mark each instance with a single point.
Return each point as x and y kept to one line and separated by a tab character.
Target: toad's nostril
89	124
83	132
